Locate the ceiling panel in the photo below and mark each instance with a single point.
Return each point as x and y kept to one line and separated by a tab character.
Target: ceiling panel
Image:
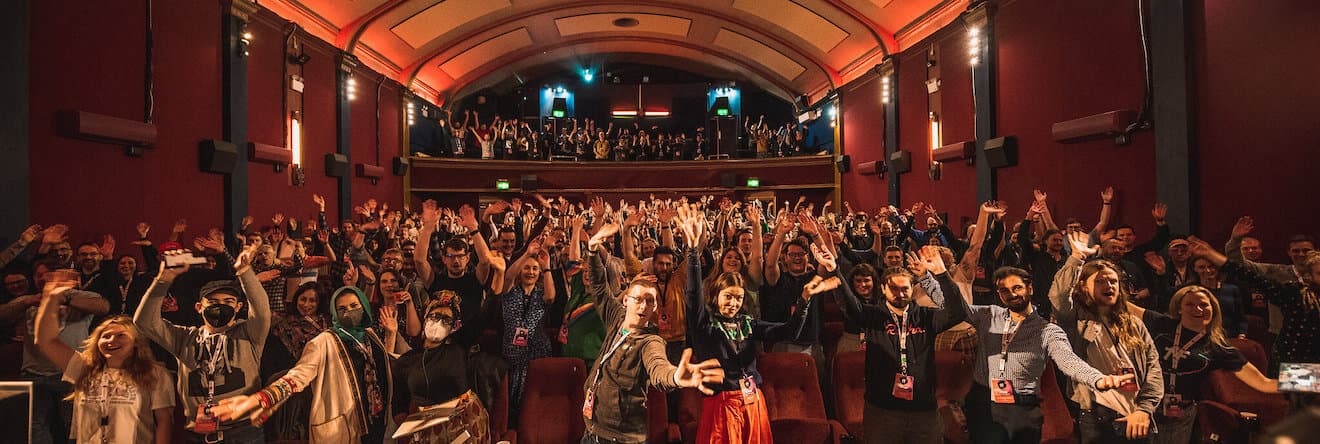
752	49
442	18
654	23
486	51
795	18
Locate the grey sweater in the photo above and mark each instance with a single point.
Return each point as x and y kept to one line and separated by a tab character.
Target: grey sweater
239	375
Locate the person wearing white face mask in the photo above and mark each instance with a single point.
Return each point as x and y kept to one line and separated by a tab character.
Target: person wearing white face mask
444	370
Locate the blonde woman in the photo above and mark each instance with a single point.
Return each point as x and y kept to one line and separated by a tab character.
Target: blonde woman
1192	343
119	394
1092	307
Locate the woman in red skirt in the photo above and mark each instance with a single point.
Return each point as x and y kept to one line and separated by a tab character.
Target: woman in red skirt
718	328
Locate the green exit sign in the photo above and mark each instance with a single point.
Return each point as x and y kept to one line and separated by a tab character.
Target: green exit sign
557	114
753	182
501	184
722	112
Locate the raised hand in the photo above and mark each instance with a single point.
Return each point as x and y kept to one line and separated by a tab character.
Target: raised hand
1156	262
1200	248
209	245
430	213
696	375
1107	195
320	201
1159	211
604	232
808	224
277	219
930	256
824	258
467	218
244	223
1037	208
693	224
1040	195
389	317
107	247
1081	244
55	234
30	234
142	229
167	273
1243	226
179	227
818	285
635	217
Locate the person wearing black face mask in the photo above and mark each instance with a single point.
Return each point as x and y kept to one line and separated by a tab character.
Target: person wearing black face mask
220	359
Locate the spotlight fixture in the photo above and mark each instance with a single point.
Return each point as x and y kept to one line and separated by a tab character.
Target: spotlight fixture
412	113
884	90
974	45
587	76
245	39
299	59
350	88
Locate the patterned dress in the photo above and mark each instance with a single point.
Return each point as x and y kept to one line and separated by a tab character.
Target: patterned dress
524	340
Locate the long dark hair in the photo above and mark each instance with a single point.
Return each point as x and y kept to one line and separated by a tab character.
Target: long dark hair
1120	322
322	298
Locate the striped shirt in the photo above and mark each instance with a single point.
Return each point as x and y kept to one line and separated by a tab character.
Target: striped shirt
1035	340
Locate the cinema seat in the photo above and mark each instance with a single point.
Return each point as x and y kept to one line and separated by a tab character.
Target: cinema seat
793	399
658	428
849	386
689	414
552	403
953	379
1253	351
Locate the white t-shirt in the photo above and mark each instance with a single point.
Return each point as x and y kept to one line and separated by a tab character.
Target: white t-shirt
112	394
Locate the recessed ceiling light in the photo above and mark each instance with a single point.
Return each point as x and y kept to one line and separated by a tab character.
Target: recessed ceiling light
625	22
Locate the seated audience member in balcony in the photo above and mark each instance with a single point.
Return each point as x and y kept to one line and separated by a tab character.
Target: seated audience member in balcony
1192	343
120	393
1003	405
717	328
900	353
1090	304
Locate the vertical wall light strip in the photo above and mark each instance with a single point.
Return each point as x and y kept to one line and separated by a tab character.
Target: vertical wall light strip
295	140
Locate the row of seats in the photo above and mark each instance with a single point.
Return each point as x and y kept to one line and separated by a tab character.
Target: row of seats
797	407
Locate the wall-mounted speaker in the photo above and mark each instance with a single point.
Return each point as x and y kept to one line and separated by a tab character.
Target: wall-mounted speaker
900	162
217	156
843	163
1001	152
336	165
400	166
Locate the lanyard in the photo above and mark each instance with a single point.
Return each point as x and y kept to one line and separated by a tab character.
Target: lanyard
1178	350
105	407
213	349
1010	331
902	340
606	357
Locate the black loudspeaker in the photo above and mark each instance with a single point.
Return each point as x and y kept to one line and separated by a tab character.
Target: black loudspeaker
528	182
336	165
559	108
900	162
1001	152
721	107
400	166
803	102
217	156
843	163
728	180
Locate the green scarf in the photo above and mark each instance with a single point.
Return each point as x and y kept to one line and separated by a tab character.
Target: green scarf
359	333
742	330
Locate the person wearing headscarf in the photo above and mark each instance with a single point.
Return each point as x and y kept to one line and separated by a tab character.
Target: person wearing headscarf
348	371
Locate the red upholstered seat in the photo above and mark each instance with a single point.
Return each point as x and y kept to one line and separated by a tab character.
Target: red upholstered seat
829	339
1225	388
1258	329
953	379
794	401
1058	428
499	411
689	413
1254	352
658	428
849	386
552	403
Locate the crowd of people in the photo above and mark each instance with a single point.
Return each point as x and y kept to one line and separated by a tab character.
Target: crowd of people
307	330
566	139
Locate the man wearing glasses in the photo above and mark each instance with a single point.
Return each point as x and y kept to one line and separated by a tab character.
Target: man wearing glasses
469	283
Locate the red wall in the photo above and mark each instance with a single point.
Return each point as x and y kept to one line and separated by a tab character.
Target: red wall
90	56
864	141
1256	115
1060	61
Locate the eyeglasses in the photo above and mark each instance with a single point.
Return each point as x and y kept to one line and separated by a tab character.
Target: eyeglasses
440	317
1014	290
797	255
643	300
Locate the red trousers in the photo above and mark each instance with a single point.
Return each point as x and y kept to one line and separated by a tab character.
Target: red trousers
726	419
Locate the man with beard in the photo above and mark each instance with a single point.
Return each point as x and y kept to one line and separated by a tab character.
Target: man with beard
218	360
1003	405
1134	277
470	285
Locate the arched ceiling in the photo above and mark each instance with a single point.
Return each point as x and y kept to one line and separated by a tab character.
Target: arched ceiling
439	48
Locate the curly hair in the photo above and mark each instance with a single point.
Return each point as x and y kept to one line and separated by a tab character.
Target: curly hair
1118	320
140	367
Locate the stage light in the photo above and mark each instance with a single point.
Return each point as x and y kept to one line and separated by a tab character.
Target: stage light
974	45
587	76
884	90
247	35
295	140
412	112
935	138
350	88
